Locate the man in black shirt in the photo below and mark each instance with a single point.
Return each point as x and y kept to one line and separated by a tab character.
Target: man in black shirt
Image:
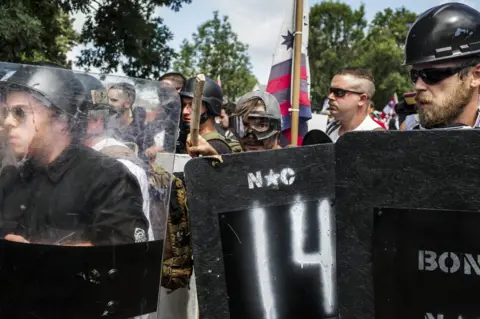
61	192
129	122
211	108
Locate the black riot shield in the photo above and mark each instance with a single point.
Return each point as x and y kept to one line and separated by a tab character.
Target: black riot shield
408	244
263	236
83	207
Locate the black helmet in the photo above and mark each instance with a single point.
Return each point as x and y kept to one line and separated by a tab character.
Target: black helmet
57	87
212	95
448	31
96	94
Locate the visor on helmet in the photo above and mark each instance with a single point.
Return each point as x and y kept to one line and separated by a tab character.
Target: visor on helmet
257	124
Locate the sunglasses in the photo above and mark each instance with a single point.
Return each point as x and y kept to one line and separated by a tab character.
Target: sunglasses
18	113
342	92
434	76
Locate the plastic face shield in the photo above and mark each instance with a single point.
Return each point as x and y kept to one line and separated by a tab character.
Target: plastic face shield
89	248
256	124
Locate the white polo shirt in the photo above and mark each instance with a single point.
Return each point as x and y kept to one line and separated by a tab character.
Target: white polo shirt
367	125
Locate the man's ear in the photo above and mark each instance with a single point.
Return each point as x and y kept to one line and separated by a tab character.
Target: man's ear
475	83
364	100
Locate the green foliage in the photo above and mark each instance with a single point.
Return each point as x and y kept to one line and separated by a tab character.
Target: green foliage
122	34
334	31
338	40
384	58
216	51
393	24
35	30
126	34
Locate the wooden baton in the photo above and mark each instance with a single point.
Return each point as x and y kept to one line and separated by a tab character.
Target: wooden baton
196	109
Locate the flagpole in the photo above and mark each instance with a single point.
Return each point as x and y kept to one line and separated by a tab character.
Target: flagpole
297	60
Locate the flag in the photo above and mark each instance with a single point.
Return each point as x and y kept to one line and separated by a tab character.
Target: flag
389	110
219	82
281	74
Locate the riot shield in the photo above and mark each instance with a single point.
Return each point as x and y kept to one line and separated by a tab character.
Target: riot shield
82	203
407	224
263	235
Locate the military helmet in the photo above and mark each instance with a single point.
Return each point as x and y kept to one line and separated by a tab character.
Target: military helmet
271	112
96	94
212	95
55	87
448	31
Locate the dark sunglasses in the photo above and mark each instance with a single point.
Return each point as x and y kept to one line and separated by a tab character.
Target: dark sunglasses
341	92
434	76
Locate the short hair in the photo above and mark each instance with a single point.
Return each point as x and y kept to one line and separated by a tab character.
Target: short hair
102	114
366	81
128	88
229	108
468	63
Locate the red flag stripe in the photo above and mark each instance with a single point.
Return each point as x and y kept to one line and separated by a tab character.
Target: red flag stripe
286	105
284	82
284	95
304	100
284	67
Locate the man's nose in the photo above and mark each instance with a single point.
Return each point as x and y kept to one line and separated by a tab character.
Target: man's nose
187	109
331	96
420	85
9	121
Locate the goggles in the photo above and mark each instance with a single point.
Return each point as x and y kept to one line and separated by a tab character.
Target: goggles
260	126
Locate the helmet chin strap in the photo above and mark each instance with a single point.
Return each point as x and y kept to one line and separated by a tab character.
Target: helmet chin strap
203	117
26	154
186	126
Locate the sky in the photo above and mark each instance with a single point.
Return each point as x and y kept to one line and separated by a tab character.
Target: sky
257	22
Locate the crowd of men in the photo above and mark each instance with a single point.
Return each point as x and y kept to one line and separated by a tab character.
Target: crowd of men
61	130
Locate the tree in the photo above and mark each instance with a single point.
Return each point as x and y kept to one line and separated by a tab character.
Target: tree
122	34
335	30
35	30
394	24
216	51
382	52
337	40
126	34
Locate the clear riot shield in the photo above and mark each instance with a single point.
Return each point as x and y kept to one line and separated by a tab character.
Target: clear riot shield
83	205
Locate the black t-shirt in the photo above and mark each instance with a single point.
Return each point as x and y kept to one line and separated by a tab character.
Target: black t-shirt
83	196
135	131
